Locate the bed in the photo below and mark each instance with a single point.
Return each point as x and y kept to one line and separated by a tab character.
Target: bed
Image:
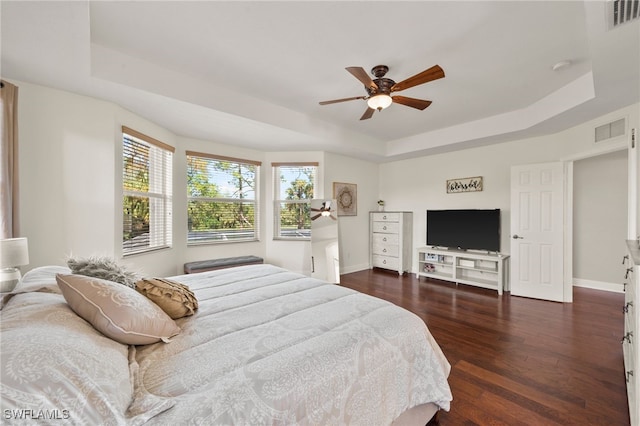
265	346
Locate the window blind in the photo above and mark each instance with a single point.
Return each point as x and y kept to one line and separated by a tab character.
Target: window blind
147	193
222	199
294	185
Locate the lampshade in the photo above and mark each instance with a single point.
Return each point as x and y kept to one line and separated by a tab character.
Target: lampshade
14	252
379	102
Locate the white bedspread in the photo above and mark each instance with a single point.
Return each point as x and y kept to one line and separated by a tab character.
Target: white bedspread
269	346
266	347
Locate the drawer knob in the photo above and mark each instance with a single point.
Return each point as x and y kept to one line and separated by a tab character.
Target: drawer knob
384	217
384	227
384	250
384	261
384	239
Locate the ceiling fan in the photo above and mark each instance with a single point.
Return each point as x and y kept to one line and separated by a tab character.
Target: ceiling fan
324	211
379	90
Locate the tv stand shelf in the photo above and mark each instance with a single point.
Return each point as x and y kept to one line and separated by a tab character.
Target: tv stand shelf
487	270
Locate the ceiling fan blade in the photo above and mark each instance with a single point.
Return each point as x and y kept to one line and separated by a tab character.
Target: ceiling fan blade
411	102
316	216
367	114
361	74
341	100
433	73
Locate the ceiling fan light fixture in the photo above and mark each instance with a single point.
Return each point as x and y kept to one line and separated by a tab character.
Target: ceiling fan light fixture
379	102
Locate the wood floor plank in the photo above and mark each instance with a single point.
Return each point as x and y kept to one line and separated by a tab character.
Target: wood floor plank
518	361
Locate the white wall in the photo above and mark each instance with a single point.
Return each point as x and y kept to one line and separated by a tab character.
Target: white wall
66	174
600	219
354	230
419	184
70	183
71	195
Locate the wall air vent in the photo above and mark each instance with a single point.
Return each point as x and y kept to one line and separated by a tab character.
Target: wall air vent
621	11
610	130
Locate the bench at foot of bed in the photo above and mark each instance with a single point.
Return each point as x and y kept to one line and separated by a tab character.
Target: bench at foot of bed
227	262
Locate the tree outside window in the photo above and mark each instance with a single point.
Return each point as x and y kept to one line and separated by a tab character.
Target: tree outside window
222	200
294	189
147	193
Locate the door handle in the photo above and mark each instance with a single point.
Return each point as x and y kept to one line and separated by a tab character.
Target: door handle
517	237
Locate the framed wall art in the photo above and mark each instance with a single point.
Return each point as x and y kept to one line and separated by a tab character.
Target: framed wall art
346	195
469	184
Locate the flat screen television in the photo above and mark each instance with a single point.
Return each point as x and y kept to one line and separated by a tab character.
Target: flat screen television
464	229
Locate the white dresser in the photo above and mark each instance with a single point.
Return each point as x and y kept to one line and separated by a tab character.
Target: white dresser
630	339
390	240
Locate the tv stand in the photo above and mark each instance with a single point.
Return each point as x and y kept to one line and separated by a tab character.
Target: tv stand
487	270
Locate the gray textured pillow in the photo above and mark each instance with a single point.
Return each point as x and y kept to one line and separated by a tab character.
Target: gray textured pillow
102	267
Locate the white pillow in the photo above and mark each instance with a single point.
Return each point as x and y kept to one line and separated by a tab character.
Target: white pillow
117	311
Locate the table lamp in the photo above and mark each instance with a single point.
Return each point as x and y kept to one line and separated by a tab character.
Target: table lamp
14	252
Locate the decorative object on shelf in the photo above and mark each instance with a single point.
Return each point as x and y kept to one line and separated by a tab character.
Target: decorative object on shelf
469	184
486	270
346	195
14	252
380	205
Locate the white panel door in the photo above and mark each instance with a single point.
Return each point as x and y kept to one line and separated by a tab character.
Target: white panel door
537	228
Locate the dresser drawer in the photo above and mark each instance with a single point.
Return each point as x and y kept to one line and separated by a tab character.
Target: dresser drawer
385	262
386	249
385	239
386	227
385	217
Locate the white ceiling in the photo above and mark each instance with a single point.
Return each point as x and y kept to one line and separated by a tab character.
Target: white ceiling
252	73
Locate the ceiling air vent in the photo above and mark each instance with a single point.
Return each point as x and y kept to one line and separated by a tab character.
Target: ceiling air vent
610	130
621	11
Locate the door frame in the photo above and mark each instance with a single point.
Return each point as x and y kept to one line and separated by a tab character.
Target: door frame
606	148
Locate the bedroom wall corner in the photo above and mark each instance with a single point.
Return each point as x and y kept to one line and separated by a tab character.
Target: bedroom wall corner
66	176
353	230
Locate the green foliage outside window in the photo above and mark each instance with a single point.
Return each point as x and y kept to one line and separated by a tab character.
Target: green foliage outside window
135	179
222	202
295	191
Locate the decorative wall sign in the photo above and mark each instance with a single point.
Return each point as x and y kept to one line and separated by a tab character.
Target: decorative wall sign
346	195
470	184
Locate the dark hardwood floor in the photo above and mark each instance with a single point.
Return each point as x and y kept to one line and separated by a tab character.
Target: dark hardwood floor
518	361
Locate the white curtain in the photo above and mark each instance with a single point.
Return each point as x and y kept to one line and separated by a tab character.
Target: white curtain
9	160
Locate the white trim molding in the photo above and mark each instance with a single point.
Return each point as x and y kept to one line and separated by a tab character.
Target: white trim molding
598	285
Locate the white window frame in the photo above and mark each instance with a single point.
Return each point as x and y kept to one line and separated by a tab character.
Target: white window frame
303	235
212	236
159	193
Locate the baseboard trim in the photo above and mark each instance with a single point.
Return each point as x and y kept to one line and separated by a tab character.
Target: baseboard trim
598	285
354	268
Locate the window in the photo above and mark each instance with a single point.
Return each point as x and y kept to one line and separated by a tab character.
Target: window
294	186
222	199
147	193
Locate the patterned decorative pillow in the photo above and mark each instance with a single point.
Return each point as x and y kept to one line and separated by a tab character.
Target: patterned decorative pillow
118	312
102	267
173	297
